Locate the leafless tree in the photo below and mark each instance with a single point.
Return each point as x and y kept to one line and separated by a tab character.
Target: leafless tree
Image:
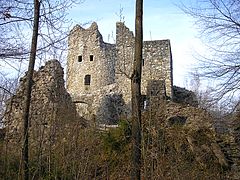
45	18
7	87
136	92
29	83
219	25
16	22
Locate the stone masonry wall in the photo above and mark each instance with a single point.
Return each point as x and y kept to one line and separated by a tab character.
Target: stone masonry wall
84	43
51	106
104	106
125	56
112	64
157	64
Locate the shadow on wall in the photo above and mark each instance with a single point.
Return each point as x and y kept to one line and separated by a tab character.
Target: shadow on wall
112	108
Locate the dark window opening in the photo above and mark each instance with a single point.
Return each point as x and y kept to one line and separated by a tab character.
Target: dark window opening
91	57
142	62
79	58
87	80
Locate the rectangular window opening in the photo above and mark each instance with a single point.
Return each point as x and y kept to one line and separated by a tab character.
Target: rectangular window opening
87	80
142	62
91	57
80	58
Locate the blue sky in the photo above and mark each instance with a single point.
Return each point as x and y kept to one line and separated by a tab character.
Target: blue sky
162	20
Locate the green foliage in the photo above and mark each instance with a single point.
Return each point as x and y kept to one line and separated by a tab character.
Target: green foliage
116	139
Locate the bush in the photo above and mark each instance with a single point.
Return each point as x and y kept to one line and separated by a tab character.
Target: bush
117	138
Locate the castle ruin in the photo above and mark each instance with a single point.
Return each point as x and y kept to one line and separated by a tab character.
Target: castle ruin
98	80
98	73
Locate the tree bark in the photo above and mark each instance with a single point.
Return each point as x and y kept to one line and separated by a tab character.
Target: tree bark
28	90
136	93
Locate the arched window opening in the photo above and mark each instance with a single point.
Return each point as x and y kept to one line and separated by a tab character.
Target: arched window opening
87	79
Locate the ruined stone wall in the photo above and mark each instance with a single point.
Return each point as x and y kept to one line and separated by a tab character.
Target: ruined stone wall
112	64
105	105
89	55
157	64
51	106
125	56
157	61
184	96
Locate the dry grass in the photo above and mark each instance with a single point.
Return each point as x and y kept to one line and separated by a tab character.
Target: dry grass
85	153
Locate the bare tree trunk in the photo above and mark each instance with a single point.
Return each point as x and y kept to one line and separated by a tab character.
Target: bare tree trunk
28	90
136	93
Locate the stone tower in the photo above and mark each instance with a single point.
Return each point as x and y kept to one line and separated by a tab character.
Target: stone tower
98	73
91	61
157	62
